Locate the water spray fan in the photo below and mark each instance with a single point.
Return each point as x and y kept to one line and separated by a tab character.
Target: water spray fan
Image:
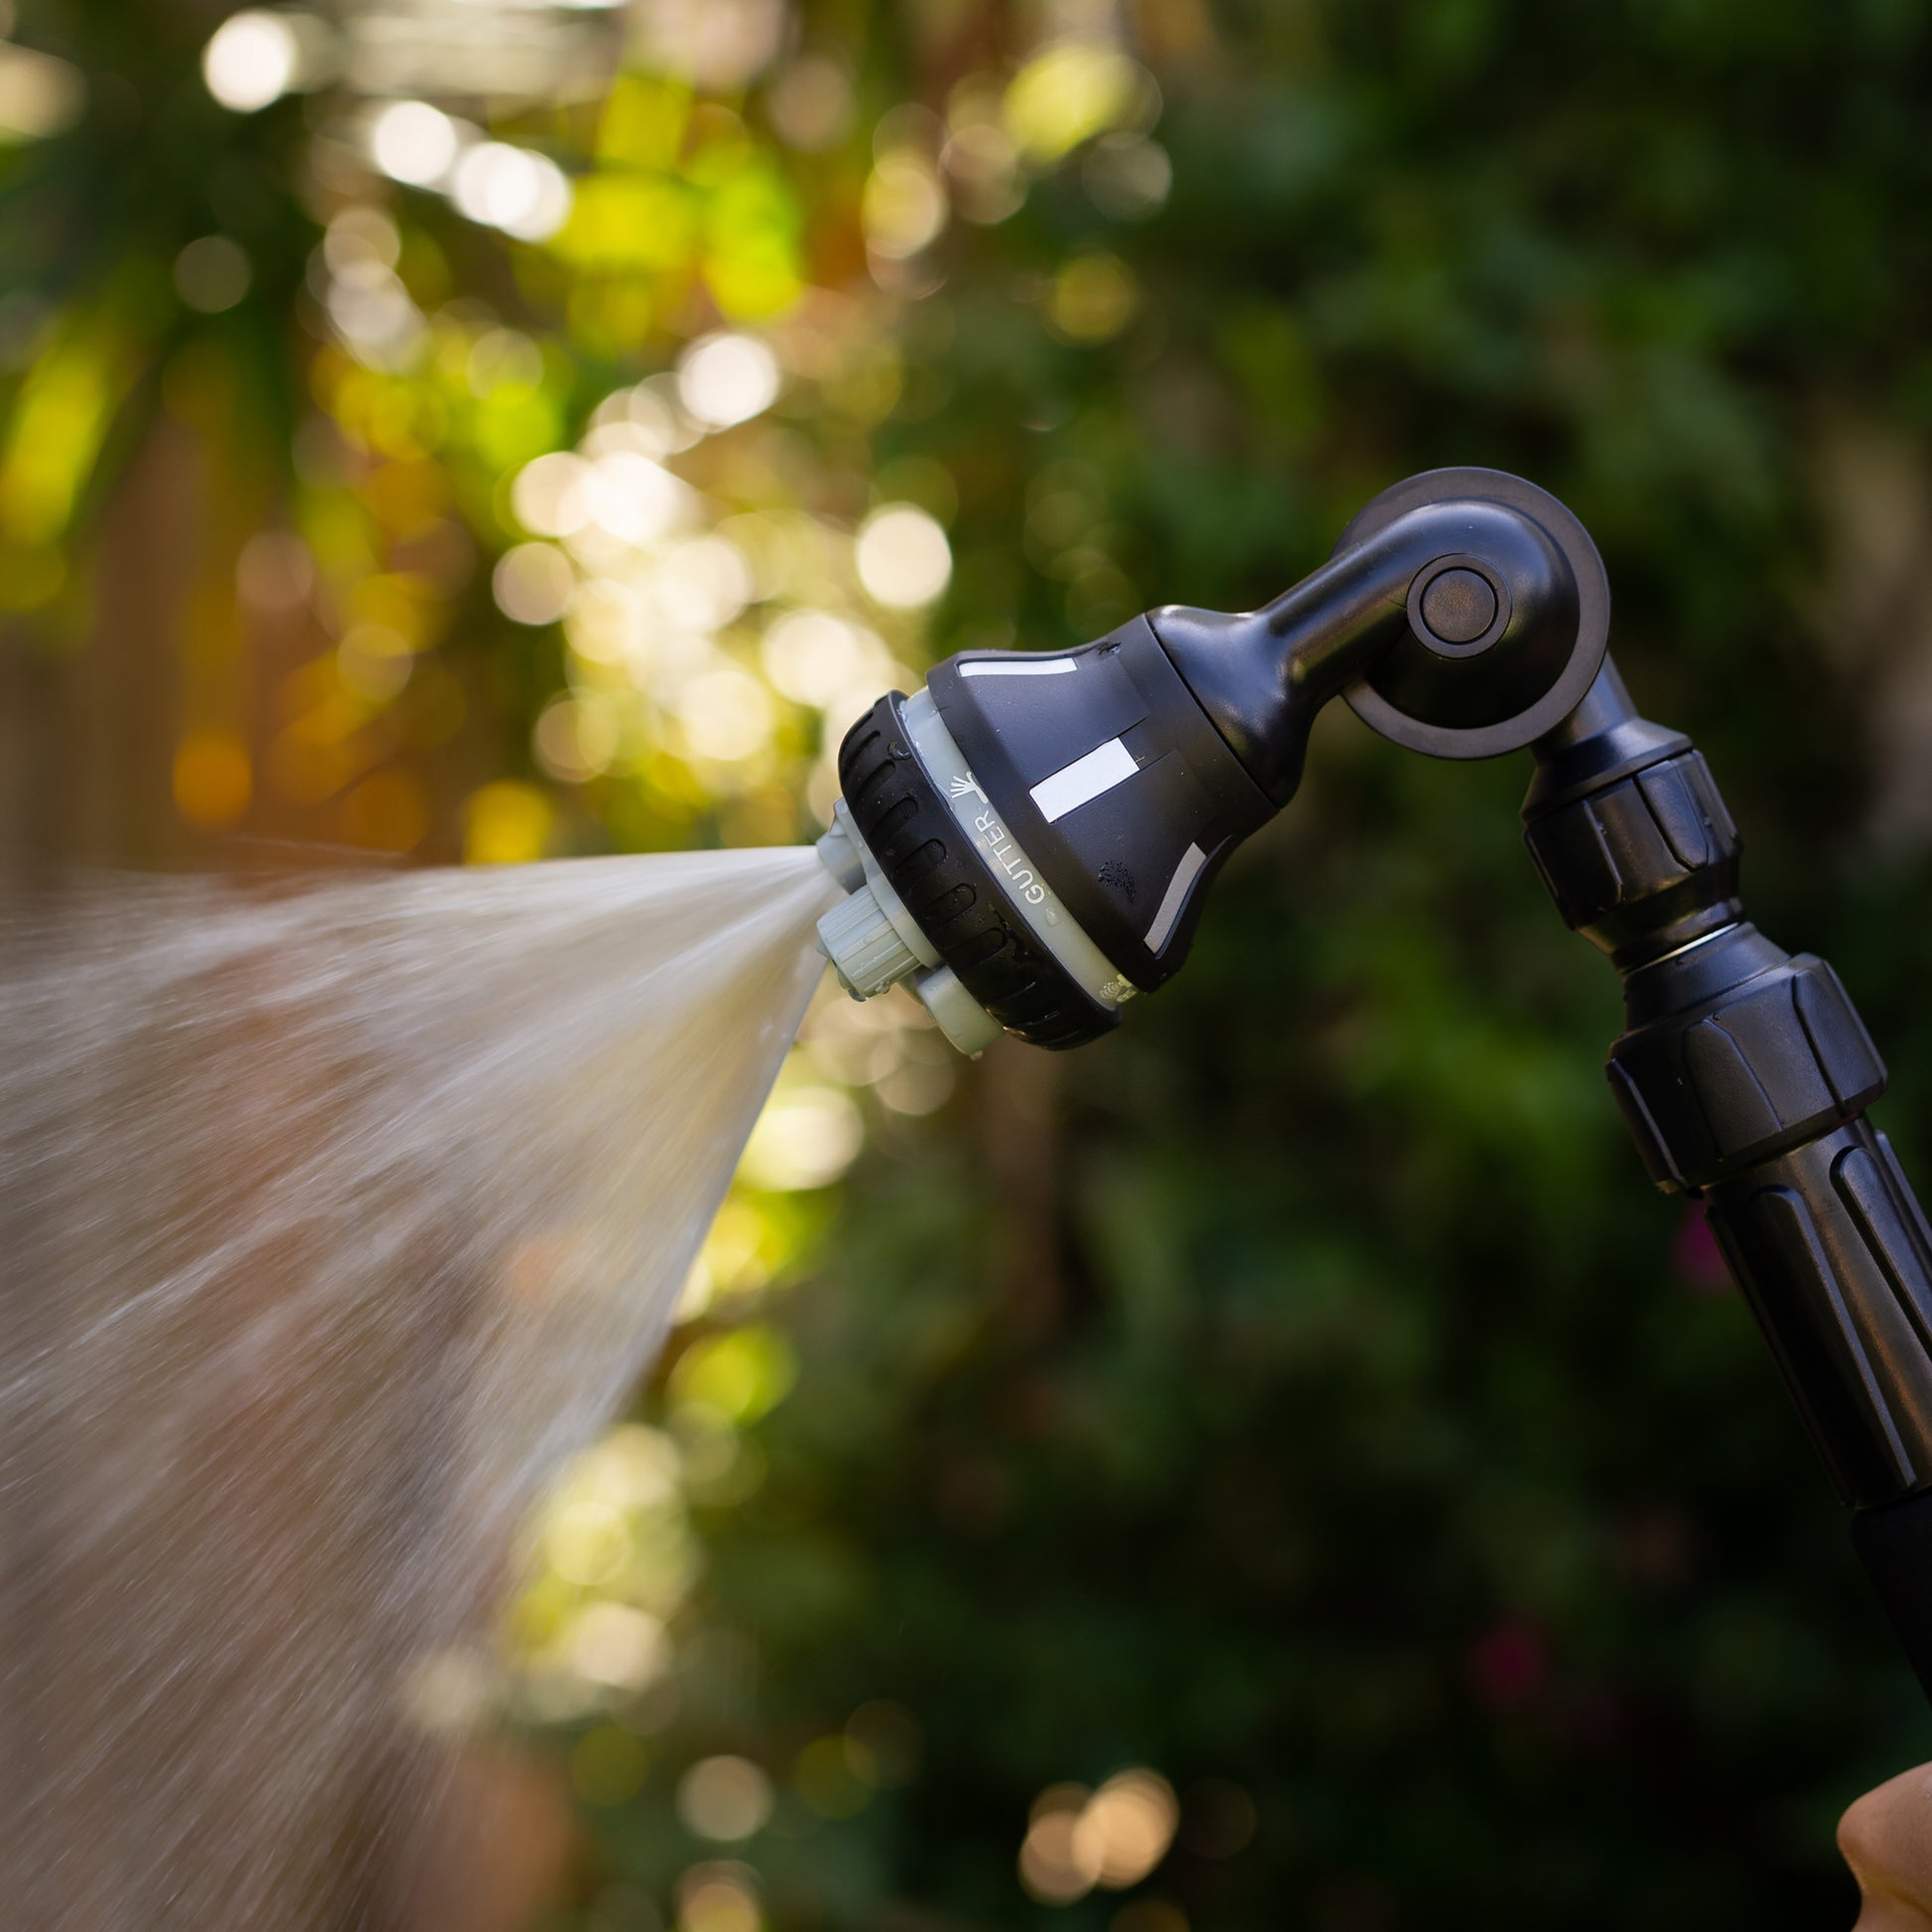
1027	841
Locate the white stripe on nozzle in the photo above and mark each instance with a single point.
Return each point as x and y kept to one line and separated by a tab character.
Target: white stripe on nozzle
1073	785
1176	896
1031	667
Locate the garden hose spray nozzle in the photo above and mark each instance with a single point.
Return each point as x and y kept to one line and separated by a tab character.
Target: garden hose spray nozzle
1027	842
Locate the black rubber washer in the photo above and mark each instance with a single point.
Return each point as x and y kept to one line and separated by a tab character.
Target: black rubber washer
930	863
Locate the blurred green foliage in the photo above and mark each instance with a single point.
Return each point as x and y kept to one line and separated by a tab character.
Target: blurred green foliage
1299	1393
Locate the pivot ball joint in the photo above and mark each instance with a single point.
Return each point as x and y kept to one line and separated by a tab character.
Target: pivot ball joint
1027	842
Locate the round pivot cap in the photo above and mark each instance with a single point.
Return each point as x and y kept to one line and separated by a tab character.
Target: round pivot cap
1456	605
1507	628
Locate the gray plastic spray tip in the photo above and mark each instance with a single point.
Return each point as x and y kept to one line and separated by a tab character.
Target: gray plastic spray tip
874	942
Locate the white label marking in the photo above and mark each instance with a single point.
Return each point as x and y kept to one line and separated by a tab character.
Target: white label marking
1033	667
1073	786
1176	896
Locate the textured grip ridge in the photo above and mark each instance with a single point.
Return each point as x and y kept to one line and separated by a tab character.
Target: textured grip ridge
960	907
1627	861
1718	1086
1828	1246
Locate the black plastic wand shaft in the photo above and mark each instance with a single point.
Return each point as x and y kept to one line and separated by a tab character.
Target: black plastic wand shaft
1743	1074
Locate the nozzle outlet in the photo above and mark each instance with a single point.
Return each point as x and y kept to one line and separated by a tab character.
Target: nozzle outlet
864	946
870	937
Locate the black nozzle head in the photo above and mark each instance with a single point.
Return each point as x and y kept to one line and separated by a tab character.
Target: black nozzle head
1038	830
1112	780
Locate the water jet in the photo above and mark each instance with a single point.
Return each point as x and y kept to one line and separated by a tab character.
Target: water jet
338	1218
